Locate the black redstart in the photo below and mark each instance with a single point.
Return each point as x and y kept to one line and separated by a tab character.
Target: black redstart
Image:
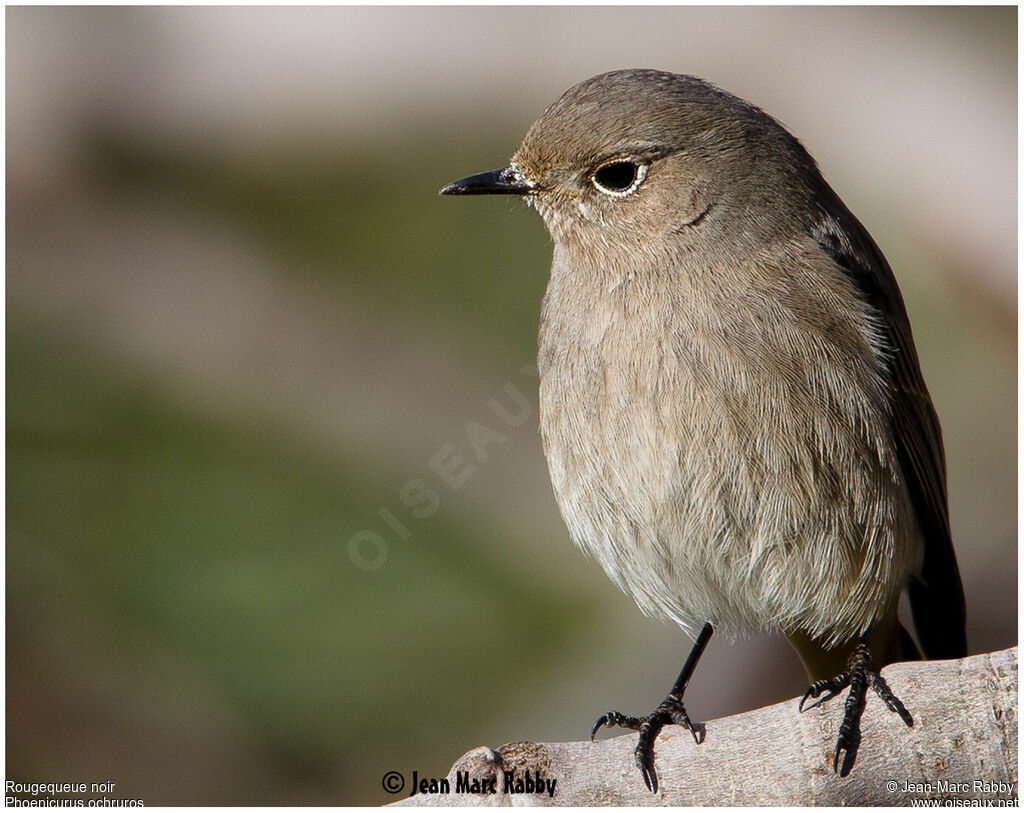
731	404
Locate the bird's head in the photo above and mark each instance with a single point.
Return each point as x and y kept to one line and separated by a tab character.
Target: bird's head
631	156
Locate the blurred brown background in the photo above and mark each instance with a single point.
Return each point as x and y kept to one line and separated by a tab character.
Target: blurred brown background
241	325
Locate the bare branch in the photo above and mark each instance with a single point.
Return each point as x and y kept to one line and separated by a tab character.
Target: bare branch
963	745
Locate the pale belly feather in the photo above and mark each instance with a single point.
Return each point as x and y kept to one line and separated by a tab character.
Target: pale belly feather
713	487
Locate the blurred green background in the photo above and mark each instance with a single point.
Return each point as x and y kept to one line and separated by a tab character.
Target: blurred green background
244	335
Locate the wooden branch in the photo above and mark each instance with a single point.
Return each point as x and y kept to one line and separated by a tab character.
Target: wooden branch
963	746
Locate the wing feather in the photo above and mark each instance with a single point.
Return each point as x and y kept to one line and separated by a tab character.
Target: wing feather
936	593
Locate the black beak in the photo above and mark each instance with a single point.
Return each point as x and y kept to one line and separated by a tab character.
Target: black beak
504	181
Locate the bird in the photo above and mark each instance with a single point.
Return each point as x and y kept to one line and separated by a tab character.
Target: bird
730	402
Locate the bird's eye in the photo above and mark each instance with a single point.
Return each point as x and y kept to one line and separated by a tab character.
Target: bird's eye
619	178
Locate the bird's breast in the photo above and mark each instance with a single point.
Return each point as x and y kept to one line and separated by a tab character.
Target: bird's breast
711	451
617	393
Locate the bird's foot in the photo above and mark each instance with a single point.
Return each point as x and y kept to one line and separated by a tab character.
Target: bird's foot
860	673
671	710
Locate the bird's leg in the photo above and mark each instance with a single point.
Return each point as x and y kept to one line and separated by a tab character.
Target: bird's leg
670	710
860	673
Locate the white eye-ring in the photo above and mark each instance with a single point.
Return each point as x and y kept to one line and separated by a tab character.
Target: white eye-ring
619	178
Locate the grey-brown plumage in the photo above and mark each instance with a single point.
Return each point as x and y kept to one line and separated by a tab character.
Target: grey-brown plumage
731	404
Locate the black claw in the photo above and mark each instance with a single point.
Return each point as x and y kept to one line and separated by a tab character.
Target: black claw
649	728
671	710
849	751
645	745
849	731
616	719
859	675
650	776
891	700
832	686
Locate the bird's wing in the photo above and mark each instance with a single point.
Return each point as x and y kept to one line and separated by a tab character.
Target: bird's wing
936	594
